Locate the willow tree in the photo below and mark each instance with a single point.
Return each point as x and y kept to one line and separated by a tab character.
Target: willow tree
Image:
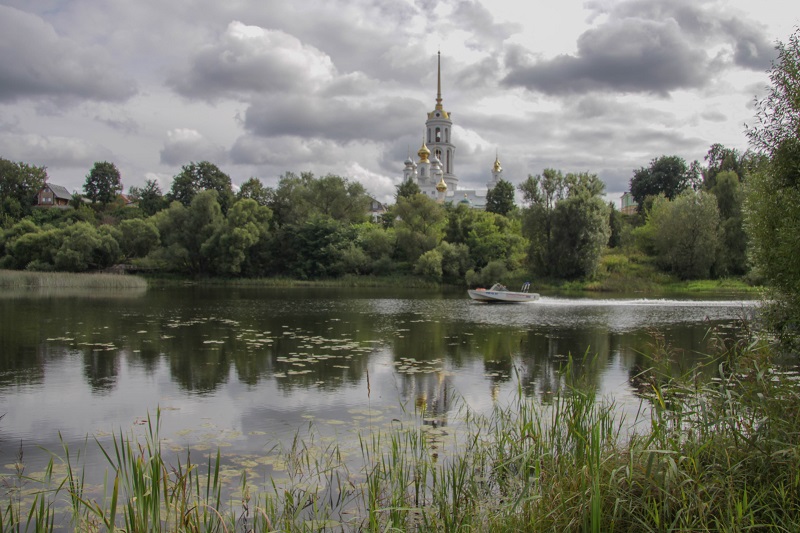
772	208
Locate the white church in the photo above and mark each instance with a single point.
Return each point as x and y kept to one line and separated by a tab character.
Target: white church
434	173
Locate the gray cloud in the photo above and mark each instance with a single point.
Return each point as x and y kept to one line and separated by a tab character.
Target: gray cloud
646	46
338	119
51	150
35	62
627	55
251	59
184	145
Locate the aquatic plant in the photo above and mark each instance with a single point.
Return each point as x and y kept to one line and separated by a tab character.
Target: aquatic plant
17	279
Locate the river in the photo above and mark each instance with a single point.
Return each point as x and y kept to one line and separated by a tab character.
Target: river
240	369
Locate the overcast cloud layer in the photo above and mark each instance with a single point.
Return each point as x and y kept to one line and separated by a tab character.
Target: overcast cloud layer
343	87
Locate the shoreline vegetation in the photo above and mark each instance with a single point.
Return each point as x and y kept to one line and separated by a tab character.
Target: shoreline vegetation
648	283
711	455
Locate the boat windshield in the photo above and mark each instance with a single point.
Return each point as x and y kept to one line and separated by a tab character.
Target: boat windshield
498	287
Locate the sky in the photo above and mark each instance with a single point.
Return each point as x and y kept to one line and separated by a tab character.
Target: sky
264	87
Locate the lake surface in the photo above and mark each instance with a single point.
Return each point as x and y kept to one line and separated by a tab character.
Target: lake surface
240	369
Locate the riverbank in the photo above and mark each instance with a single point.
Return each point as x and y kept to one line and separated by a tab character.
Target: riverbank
642	280
713	455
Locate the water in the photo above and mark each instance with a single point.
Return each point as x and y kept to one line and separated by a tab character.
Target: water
241	369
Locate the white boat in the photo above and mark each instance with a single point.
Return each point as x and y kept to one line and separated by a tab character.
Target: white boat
499	293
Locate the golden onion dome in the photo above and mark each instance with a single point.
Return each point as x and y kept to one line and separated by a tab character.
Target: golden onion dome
497	167
423	153
441	186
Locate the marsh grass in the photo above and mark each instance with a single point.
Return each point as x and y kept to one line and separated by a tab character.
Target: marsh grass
22	279
719	454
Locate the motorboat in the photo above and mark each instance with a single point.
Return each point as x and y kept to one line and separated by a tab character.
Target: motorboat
498	293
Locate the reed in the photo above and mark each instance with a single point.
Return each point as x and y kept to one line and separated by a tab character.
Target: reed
719	454
22	279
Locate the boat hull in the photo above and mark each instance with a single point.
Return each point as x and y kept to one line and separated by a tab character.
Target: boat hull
510	297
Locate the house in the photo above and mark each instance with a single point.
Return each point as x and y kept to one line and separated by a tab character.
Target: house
53	196
376	209
628	204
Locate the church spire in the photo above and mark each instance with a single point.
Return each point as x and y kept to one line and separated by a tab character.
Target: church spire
439	81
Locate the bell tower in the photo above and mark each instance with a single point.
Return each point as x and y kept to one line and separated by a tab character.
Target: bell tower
438	133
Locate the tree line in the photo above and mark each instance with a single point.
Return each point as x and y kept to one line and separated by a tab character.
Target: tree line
690	221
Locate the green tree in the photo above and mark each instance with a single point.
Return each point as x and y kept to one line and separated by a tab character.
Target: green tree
149	198
500	198
729	192
246	224
540	195
183	232
312	249
667	175
137	238
420	226
722	159
407	189
772	206
84	247
103	183
298	198
683	234
203	176
19	184
580	228
254	190
379	245
494	237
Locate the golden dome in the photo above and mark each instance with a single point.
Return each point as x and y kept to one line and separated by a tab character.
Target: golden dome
423	153
497	167
441	186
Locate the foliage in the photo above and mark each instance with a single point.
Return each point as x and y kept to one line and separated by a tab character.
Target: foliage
488	275
246	224
683	234
197	177
319	247
19	183
149	198
540	196
778	113
429	265
407	189
729	193
420	226
667	175
566	223
103	183
76	247
184	231
615	225
580	228
500	198
254	190
721	159
137	238
773	199
298	198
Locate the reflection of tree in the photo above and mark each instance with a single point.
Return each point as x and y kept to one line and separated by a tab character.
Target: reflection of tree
101	367
545	357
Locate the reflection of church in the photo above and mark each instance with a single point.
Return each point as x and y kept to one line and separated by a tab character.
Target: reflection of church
432	395
434	173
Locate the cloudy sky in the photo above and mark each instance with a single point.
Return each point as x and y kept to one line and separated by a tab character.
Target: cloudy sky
261	87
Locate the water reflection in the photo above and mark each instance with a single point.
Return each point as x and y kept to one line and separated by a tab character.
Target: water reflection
262	362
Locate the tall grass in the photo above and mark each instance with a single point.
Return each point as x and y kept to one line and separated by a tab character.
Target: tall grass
20	279
719	454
